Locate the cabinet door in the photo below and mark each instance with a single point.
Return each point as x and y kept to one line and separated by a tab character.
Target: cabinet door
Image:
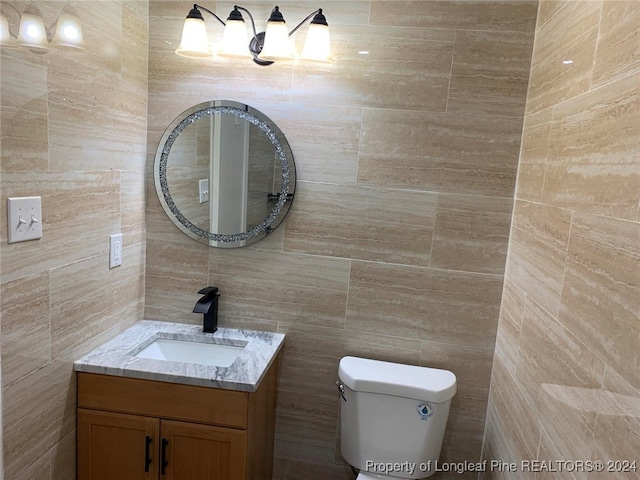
201	452
114	446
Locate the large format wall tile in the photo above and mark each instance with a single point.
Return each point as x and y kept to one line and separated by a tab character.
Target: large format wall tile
135	33
513	427
570	35
565	27
601	294
510	325
38	470
26	337
441	152
132	212
569	317
462	440
311	355
555	368
553	81
617	433
412	68
547	9
427	304
63	458
38	411
364	223
324	139
591	134
174	274
490	73
306	426
24	114
499	15
618	52
533	155
79	210
538	246
472	366
305	289
471	233
109	115
80	237
293	469
83	293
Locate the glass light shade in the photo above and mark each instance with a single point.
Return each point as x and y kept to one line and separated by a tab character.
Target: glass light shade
235	40
32	33
195	41
276	42
317	45
5	36
68	32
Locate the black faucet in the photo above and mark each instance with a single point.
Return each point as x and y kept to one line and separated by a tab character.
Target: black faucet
208	305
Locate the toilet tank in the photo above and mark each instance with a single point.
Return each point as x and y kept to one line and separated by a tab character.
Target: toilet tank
393	414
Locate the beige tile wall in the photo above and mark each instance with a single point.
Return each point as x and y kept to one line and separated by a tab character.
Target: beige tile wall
566	376
396	242
73	131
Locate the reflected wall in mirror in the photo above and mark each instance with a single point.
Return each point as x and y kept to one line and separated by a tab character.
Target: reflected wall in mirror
224	174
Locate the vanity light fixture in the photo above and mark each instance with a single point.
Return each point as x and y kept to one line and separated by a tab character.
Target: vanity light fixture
265	47
33	34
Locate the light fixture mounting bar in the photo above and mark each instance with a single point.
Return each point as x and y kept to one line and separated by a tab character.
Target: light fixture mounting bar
257	42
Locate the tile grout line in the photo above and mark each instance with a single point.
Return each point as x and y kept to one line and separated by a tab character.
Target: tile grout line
595	48
453	56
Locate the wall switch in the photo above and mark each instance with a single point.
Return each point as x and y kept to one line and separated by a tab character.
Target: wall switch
204	190
115	250
24	217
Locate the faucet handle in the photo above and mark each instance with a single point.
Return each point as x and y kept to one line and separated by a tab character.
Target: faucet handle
208	290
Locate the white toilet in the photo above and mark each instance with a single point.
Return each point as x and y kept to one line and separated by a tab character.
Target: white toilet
393	417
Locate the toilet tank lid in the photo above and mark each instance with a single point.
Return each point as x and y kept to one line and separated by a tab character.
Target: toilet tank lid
410	381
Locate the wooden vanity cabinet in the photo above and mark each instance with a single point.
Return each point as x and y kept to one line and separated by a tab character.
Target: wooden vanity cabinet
140	429
114	445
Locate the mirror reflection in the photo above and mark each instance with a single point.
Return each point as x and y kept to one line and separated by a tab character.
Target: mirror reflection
225	174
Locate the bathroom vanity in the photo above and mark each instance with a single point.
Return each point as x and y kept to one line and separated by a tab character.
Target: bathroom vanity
143	417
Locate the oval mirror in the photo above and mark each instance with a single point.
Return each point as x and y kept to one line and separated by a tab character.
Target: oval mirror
224	174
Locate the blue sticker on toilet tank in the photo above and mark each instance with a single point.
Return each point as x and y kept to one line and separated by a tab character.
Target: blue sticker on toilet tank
425	410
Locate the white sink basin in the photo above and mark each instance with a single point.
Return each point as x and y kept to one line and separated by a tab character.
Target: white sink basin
186	351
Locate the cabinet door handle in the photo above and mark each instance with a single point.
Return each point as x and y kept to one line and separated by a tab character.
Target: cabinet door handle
163	456
147	453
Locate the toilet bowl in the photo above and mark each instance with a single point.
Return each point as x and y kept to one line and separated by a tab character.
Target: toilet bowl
392	417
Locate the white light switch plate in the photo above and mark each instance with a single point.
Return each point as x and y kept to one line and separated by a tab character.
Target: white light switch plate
115	250
24	217
204	190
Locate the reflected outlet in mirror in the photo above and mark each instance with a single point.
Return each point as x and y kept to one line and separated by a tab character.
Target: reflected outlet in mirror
212	354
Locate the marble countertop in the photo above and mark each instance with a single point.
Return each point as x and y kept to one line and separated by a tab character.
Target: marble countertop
117	357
